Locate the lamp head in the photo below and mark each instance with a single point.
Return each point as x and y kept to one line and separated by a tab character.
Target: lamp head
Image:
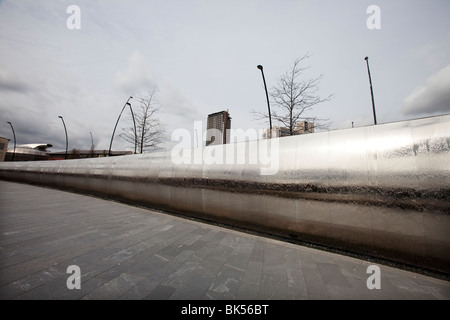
366	58
260	67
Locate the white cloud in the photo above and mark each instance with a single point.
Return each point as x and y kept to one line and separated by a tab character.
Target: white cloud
12	82
433	97
136	78
175	101
435	53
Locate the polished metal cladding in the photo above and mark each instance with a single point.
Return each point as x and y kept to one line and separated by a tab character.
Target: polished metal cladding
379	190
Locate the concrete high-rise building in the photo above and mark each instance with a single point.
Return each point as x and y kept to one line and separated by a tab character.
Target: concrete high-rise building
217	126
3	148
302	127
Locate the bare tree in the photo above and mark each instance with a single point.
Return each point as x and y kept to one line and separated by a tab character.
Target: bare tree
148	126
294	98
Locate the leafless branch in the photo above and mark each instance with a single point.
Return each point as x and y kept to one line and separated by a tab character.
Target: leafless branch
294	98
148	126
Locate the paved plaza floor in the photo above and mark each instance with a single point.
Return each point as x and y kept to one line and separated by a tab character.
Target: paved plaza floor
128	252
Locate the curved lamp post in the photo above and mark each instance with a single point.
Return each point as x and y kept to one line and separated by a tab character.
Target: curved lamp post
134	122
260	67
92	141
67	140
14	134
371	91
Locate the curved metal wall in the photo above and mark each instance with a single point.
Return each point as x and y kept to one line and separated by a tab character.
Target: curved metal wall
378	190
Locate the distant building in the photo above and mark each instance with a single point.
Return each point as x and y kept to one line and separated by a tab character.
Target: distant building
302	127
28	152
217	126
36	151
81	154
3	148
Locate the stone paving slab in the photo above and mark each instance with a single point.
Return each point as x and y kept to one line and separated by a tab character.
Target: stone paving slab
126	252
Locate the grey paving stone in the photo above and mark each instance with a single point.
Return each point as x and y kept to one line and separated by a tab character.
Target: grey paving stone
58	290
161	292
127	252
332	276
227	282
162	274
296	284
148	266
240	256
114	288
116	270
273	287
181	275
49	290
10	291
247	292
193	288
13	259
141	290
210	266
257	254
252	275
314	284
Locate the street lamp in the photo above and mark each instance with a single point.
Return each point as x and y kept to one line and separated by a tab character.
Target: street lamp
134	122
260	67
196	136
14	134
92	141
371	91
67	140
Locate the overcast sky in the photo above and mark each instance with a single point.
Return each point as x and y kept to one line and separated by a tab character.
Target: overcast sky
202	55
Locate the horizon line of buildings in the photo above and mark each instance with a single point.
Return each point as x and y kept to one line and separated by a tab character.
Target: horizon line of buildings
219	124
37	152
218	127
